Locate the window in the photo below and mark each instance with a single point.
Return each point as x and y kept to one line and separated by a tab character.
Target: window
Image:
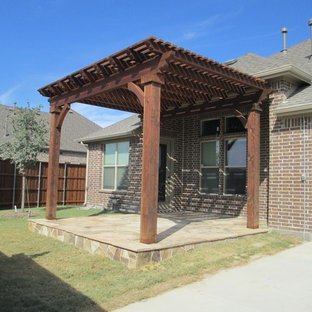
210	166
235	166
226	153
115	166
210	127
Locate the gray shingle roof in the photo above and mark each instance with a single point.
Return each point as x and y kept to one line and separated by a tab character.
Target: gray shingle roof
251	63
297	55
301	99
121	128
74	127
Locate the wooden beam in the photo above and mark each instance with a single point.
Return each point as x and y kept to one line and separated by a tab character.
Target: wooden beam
192	95
207	65
62	115
253	170
204	77
134	88
223	103
53	166
194	86
240	116
115	81
150	159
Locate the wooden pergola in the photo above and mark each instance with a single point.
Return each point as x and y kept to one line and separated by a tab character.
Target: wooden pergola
159	80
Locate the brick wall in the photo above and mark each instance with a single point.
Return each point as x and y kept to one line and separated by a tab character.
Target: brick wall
187	168
123	200
286	203
185	178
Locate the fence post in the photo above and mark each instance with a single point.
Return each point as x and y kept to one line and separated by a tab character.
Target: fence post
64	184
14	186
39	185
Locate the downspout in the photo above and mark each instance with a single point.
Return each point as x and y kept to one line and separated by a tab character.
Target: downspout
304	178
86	184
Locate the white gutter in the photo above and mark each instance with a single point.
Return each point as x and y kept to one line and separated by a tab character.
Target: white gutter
294	110
87	180
304	178
108	137
285	70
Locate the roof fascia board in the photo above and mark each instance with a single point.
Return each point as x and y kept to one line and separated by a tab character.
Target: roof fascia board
109	137
46	149
294	110
286	70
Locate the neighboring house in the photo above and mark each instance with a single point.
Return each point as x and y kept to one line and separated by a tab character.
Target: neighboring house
72	173
203	159
75	126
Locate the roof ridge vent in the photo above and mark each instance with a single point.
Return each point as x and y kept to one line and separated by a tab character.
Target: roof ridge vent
284	32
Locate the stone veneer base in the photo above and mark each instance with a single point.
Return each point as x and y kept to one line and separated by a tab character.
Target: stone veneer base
132	259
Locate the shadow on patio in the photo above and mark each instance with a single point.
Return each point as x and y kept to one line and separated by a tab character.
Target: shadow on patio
184	218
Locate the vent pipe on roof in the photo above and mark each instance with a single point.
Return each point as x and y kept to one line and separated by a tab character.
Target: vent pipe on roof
284	32
310	24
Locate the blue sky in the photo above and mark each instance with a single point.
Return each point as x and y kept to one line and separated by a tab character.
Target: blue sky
43	40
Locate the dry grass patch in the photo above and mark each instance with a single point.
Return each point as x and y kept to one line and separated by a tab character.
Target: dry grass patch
42	274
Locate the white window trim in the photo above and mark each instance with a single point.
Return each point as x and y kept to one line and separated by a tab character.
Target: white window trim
115	166
203	167
239	167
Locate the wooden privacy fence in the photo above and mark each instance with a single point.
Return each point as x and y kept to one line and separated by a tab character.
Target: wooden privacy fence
71	185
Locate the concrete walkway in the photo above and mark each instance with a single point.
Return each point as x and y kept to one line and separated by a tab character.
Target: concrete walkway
282	282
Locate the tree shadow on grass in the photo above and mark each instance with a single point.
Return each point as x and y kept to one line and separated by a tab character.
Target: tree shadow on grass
26	286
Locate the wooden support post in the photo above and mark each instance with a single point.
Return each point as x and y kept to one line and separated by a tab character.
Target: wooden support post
253	128
57	117
150	160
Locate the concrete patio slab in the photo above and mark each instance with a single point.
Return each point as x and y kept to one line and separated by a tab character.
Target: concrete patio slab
117	235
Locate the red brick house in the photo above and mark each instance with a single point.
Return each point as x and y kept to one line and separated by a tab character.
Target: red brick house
289	73
203	156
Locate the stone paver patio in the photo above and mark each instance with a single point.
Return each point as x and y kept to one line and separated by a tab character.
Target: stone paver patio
117	236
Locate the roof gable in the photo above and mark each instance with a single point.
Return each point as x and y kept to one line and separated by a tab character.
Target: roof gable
297	55
125	127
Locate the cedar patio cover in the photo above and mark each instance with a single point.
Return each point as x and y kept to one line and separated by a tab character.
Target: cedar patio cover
159	80
192	83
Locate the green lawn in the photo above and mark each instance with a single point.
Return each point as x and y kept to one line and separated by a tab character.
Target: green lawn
42	274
